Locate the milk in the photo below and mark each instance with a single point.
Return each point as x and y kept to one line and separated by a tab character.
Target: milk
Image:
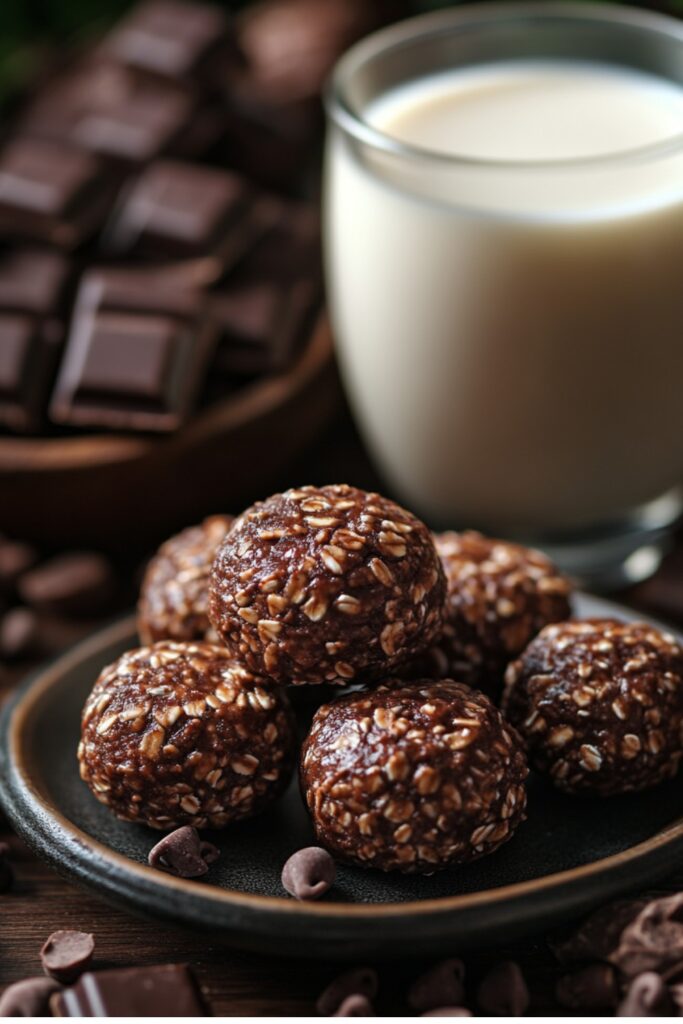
510	324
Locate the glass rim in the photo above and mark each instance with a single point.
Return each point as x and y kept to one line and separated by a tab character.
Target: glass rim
404	33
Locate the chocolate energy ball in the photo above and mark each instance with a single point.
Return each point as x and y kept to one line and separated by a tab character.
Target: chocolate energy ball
178	734
499	596
413	777
326	584
175	589
600	705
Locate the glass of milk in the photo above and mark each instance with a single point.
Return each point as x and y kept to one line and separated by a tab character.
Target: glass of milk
504	259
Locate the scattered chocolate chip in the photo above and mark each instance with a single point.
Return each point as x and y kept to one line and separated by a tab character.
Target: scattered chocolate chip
647	996
19	634
599	934
443	985
309	873
361	981
592	988
503	991
15	559
78	583
6	872
447	1011
676	993
183	854
28	998
653	941
66	954
356	1005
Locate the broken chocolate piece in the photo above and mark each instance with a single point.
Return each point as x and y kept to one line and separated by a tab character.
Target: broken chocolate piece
164	991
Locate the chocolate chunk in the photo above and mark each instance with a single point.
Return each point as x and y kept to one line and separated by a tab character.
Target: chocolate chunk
173	38
652	941
647	996
355	1005
6	872
79	583
309	873
359	981
183	854
137	352
598	936
66	954
447	1011
503	991
32	280
29	349
15	559
177	209
592	988
28	998
442	985
107	109
164	991
19	634
50	192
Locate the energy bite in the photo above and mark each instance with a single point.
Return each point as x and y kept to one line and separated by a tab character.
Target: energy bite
178	734
326	584
600	705
175	589
413	777
499	596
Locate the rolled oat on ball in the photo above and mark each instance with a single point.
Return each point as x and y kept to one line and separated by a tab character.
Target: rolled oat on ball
326	584
175	589
499	596
413	777
178	734
600	705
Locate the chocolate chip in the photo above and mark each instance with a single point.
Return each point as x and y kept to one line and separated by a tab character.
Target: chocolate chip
66	954
598	936
78	583
309	873
503	991
676	992
183	854
653	941
28	998
359	981
440	986
19	634
647	996
447	1011
15	559
592	988
6	872
356	1005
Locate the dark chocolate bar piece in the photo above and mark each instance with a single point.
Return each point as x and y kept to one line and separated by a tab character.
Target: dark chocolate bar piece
173	38
110	110
176	209
165	991
31	285
136	355
50	192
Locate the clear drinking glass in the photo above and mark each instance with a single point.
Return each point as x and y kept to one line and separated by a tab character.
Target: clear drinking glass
510	333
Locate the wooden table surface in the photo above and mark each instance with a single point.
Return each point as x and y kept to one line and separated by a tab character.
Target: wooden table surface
246	984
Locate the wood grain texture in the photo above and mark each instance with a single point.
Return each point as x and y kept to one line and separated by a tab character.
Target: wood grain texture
236	983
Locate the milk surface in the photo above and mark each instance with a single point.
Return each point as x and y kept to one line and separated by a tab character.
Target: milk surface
511	332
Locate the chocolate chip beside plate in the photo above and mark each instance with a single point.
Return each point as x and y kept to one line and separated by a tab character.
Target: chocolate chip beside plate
19	634
443	985
356	1005
66	954
503	991
309	873
652	941
183	854
647	996
359	981
76	583
28	998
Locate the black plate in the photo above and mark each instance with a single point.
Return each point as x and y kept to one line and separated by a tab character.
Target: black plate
568	856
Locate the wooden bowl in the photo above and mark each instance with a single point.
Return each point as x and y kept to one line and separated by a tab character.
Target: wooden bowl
118	492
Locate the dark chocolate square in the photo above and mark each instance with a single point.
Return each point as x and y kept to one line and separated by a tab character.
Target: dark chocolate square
29	347
32	280
130	357
168	37
159	991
